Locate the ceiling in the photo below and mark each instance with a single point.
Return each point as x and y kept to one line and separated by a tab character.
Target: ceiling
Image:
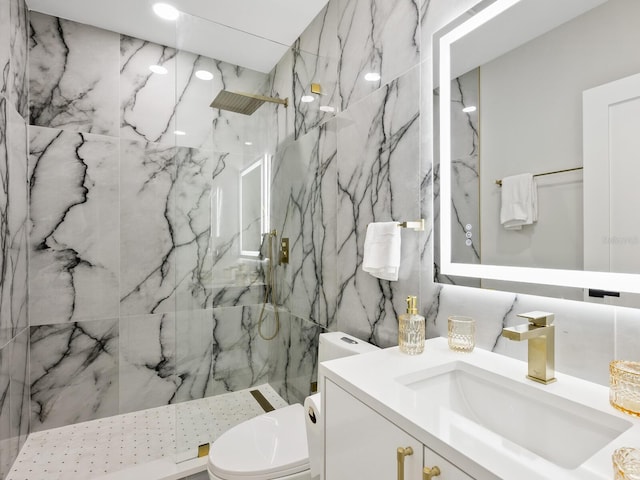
253	34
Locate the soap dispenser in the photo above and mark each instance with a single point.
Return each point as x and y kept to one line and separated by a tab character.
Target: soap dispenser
411	329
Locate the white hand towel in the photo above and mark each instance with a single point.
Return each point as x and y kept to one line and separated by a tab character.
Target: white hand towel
382	250
519	201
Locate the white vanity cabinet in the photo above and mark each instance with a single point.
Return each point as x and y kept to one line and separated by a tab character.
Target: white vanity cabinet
362	444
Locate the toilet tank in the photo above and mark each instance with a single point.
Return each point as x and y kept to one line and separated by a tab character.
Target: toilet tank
338	344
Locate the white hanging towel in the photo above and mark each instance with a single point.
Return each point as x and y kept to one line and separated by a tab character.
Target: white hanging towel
382	250
519	201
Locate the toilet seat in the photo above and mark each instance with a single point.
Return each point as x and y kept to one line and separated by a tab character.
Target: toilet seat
269	446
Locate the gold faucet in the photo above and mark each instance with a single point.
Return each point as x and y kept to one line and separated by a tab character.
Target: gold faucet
540	332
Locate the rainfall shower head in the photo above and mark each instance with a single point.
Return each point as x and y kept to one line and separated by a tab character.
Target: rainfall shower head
245	103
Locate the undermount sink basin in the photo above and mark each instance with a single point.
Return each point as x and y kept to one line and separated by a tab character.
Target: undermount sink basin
466	401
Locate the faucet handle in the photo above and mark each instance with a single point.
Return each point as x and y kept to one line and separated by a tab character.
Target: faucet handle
539	319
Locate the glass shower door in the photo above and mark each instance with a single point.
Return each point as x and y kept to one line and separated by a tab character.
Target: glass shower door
221	211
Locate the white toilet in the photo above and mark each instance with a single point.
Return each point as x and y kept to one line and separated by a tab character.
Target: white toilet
274	445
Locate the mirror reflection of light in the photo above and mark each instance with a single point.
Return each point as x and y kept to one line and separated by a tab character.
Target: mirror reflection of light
166	11
248	144
204	75
469	109
179	133
372	77
327	109
307	99
159	69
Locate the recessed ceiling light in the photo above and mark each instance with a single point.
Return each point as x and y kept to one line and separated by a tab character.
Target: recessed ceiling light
327	109
248	144
372	77
204	75
179	132
158	69
307	99
166	11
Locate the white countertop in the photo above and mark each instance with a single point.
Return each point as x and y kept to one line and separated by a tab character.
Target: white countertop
373	378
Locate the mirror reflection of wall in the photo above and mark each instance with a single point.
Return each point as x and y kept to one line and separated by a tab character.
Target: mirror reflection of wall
465	168
530	119
465	194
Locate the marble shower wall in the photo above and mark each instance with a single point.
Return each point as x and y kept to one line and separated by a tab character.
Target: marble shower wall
14	332
133	304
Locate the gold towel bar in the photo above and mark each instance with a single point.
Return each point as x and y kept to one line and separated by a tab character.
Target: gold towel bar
418	226
499	182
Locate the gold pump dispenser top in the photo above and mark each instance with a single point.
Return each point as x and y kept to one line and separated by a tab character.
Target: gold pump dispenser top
412	305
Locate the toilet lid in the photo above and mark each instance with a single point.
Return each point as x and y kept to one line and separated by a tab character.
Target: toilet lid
265	447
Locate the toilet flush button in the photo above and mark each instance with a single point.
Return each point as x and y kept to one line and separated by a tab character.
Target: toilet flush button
348	340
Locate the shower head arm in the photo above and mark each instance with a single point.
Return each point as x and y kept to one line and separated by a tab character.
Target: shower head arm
262	98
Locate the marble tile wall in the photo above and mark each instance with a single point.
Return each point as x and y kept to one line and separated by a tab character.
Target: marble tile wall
378	180
14	332
304	210
355	154
132	305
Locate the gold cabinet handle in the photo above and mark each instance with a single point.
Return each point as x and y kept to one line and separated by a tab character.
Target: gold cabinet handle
429	473
403	452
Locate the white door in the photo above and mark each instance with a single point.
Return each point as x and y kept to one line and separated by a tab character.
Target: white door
611	143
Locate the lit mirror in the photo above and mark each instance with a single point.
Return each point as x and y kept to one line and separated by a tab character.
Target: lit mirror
550	89
254	206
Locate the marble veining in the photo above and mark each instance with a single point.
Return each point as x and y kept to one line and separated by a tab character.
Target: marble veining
13	213
465	179
171	358
147	347
219	351
17	76
154	106
293	357
74	372
74	226
73	81
6	452
378	180
304	210
5	56
171	257
315	60
19	400
375	36
14	400
465	168
147	243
